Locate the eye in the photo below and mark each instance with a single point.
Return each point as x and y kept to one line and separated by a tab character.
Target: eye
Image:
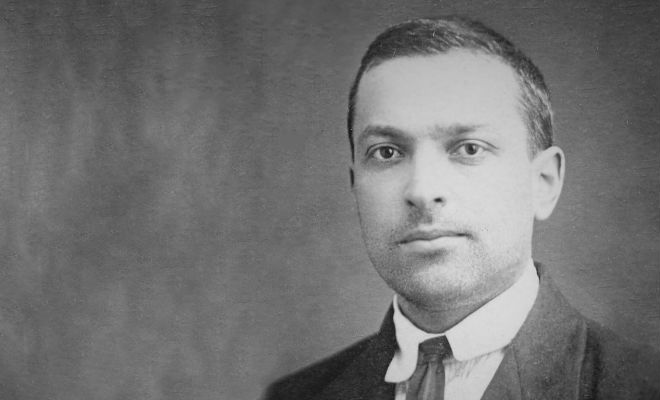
470	149
385	153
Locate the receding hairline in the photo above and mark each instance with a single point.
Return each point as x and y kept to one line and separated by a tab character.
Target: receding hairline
476	51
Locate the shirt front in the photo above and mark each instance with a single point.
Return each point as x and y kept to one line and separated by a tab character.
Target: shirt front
477	342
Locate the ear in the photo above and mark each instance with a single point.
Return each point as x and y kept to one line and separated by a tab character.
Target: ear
548	168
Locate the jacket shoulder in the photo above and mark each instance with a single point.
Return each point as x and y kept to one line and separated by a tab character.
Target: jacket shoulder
310	380
616	368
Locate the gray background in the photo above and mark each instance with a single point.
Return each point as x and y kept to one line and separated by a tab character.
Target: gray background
176	215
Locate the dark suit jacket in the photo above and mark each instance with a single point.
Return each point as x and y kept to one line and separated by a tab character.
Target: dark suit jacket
557	354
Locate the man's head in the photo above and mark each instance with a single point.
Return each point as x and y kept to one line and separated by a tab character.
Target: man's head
452	160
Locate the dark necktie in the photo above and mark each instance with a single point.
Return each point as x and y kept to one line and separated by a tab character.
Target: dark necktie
428	380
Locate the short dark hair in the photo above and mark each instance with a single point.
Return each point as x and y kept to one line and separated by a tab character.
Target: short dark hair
425	36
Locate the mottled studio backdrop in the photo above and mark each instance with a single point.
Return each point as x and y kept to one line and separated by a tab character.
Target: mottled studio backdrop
176	215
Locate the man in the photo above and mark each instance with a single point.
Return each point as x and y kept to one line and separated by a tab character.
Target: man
453	159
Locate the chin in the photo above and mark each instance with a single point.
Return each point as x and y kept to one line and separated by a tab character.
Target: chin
434	284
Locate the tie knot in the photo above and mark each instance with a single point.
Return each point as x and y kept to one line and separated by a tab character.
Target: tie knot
433	350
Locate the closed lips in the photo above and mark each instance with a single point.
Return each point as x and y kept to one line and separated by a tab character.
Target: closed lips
428	235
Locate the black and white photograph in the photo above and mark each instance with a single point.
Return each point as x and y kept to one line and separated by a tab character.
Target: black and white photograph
317	200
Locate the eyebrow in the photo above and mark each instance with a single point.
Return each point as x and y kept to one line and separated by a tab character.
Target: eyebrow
387	131
380	131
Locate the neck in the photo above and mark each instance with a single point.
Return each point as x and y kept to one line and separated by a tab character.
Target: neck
435	320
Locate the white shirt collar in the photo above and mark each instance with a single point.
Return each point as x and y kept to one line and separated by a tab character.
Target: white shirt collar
489	328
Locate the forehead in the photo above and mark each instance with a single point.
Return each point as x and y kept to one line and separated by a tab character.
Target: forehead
460	87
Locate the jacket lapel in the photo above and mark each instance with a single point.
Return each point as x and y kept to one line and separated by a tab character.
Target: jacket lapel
506	382
364	377
543	360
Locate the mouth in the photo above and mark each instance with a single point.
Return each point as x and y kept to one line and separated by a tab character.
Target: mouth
430	239
429	235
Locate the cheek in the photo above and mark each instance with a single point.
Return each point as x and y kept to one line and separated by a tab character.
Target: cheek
374	204
378	204
503	197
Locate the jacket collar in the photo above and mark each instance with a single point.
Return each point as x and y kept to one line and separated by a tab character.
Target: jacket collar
543	360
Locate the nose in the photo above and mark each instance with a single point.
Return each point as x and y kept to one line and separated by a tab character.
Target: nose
427	186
